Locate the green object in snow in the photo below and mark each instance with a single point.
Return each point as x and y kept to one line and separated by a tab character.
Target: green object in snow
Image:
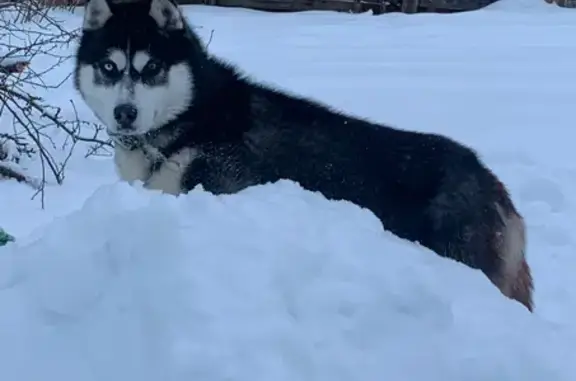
5	237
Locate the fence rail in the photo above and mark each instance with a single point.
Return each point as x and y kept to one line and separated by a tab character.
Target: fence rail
354	6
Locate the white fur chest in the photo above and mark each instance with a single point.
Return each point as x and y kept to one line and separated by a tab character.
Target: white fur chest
135	165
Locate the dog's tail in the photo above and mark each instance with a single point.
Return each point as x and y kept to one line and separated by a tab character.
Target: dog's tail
514	278
475	222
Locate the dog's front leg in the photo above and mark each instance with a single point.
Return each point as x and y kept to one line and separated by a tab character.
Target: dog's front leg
131	164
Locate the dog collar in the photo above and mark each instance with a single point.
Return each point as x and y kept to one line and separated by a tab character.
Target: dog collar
129	143
132	143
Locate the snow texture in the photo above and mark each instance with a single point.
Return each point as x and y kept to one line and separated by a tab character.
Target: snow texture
272	283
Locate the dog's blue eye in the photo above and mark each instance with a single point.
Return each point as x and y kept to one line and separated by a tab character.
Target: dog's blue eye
108	66
152	68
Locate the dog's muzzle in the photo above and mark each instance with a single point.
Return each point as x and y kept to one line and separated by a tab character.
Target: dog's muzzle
125	115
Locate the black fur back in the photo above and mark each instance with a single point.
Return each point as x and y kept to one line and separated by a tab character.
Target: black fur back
423	187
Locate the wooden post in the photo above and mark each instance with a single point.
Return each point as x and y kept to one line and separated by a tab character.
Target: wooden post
410	6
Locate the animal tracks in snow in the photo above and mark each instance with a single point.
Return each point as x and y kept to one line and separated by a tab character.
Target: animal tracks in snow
541	194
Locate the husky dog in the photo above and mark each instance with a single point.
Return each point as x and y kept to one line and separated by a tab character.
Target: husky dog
180	117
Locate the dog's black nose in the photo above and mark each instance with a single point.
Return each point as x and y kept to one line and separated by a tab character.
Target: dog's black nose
125	114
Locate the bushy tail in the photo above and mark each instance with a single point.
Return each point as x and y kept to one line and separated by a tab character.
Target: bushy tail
514	278
472	220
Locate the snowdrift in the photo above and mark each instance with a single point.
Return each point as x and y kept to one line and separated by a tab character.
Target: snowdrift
274	283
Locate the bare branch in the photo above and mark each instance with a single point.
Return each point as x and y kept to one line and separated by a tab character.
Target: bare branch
34	48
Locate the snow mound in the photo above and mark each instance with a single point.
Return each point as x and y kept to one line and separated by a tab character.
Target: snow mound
273	283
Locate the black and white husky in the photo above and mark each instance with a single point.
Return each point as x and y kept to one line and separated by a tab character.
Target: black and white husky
180	118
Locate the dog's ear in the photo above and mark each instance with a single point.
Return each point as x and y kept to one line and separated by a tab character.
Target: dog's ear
96	13
166	14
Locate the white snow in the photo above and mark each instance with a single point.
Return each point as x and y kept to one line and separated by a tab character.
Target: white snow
112	282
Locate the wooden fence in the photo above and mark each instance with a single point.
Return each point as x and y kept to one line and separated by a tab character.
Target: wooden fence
354	6
563	3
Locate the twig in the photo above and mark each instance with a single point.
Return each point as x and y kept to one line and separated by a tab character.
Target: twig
10	173
29	30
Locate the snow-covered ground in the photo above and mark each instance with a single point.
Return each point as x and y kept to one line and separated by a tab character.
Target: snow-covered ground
112	282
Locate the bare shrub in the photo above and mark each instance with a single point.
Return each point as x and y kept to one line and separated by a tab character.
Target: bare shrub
33	48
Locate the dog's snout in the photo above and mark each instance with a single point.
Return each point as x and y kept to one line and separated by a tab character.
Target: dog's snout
125	114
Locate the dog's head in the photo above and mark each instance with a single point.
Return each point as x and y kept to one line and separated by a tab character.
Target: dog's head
132	64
